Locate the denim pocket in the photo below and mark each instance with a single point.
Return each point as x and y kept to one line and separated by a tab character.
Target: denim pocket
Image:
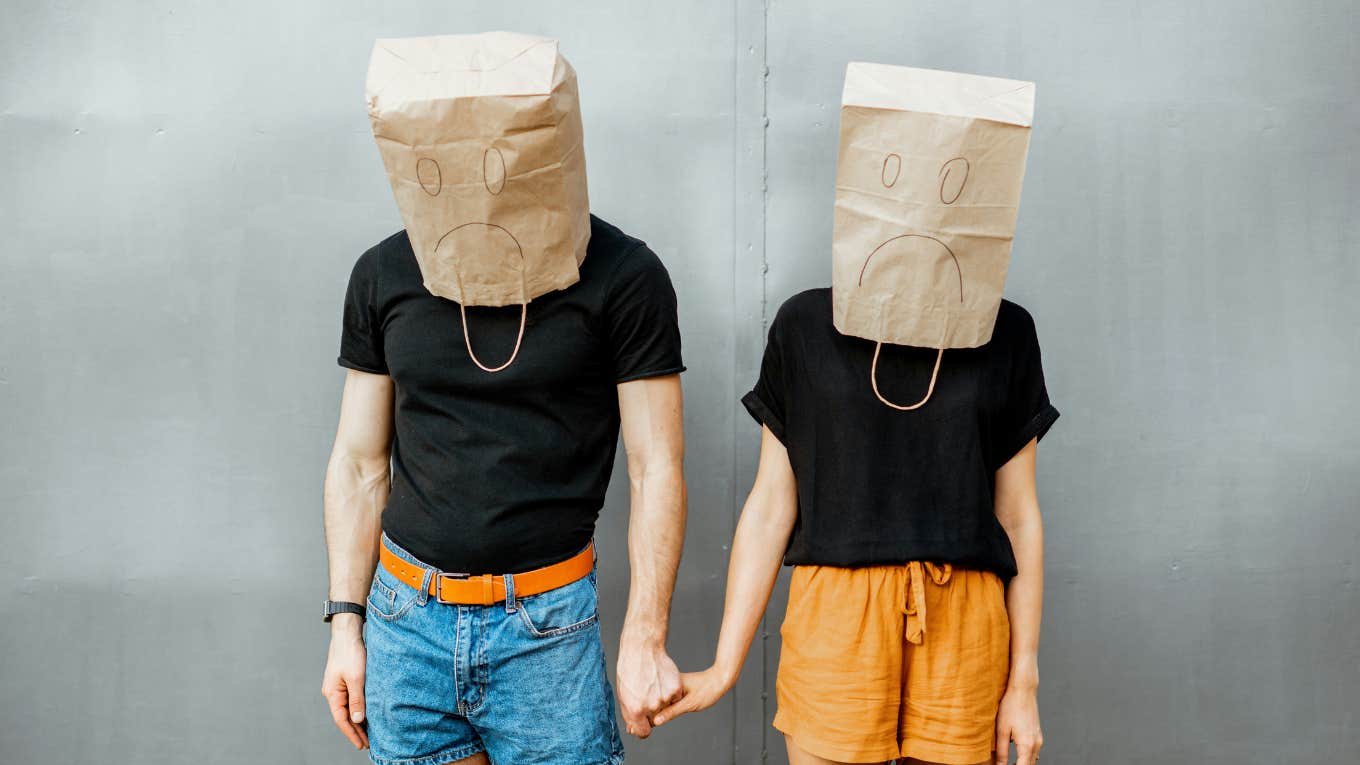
567	609
389	598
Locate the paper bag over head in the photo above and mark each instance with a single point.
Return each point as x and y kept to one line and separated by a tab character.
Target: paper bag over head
481	137
927	190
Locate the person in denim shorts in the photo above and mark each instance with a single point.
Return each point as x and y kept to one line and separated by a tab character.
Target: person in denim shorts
461	498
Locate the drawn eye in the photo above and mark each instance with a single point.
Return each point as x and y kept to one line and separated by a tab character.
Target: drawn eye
493	170
892	167
953	175
431	179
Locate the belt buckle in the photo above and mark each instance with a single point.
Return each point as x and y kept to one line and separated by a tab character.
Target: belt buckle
439	585
487	580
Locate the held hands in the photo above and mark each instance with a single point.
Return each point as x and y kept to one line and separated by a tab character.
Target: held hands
343	682
701	690
647	681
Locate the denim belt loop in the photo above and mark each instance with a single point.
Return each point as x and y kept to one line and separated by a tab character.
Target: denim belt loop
424	594
510	603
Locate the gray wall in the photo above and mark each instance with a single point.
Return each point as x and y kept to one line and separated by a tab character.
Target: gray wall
187	184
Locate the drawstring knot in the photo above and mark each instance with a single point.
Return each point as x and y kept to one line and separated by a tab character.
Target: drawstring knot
914	599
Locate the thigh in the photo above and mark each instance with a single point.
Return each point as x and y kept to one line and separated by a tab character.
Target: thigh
955	677
410	681
548	698
800	756
839	684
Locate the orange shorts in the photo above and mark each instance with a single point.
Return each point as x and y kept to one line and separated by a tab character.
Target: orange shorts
884	662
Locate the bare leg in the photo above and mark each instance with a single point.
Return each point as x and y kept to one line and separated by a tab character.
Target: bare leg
799	757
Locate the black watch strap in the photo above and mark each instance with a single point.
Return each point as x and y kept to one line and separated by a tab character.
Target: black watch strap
332	607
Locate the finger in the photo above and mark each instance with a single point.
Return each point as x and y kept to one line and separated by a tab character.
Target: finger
340	714
1003	746
685	705
636	723
347	728
355	687
672	692
1024	752
651	705
641	728
686	683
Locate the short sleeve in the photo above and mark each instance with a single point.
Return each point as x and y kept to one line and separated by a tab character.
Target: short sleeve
361	340
643	320
1026	412
765	401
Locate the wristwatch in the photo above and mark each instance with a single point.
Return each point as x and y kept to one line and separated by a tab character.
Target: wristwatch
332	607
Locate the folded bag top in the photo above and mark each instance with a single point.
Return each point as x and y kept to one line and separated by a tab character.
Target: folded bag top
928	182
482	142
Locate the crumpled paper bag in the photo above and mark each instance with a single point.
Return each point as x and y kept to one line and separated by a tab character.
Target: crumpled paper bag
481	137
927	190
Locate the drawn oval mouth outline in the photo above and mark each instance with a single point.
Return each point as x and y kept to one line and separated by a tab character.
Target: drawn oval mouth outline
952	257
518	249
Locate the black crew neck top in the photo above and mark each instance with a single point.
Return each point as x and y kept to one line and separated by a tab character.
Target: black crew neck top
880	486
506	472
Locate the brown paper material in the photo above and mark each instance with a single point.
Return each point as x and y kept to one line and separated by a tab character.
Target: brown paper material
481	137
927	190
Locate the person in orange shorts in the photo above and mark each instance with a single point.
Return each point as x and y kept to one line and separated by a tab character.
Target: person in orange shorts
914	531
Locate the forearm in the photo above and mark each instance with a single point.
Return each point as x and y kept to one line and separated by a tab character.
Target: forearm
656	535
356	492
1024	603
757	552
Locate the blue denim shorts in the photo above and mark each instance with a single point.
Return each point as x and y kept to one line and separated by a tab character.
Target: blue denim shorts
523	680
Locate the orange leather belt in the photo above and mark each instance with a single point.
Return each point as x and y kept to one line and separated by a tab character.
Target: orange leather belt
488	589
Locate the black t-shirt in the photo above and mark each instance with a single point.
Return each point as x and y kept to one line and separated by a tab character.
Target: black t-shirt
506	472
881	486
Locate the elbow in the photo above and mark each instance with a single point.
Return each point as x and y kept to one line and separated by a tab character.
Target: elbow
771	509
1024	525
651	470
348	471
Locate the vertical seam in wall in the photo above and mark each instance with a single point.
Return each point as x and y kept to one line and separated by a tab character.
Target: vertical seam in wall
743	231
764	164
764	325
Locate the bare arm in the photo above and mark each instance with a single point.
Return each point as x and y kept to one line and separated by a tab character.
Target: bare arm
651	413
357	482
758	549
1017	507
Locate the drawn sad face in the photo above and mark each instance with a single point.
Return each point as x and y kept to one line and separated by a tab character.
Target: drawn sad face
478	241
922	251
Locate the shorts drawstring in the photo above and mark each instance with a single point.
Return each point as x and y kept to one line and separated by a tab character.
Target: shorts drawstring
914	596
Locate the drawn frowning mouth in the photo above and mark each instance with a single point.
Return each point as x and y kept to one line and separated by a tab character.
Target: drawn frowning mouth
473	242
917	247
